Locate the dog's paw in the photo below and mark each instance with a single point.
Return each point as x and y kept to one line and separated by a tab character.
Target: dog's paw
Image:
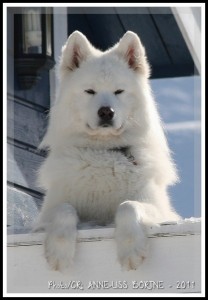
59	251
130	235
60	224
131	251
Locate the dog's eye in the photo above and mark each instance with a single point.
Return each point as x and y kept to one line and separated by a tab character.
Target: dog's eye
91	92
118	92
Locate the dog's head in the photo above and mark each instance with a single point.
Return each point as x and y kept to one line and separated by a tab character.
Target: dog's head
99	91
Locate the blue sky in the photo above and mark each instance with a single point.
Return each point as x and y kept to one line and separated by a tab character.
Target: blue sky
179	104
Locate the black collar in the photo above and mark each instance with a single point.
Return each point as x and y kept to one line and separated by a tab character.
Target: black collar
126	152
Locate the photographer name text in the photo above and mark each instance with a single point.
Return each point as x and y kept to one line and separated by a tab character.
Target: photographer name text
107	285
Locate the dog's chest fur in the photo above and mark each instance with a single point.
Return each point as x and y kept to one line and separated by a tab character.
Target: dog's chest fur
97	181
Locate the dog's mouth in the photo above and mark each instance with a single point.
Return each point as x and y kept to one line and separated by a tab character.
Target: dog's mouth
104	129
105	125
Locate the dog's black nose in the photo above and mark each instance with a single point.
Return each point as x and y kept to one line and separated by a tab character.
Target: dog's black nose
106	113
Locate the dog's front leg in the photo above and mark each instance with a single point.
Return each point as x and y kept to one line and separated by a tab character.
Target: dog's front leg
61	233
130	233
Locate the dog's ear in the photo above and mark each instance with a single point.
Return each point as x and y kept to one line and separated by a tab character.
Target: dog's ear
75	51
132	51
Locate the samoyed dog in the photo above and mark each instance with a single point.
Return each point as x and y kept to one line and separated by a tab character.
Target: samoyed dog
109	160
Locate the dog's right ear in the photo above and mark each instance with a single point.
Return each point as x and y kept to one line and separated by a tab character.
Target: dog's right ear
75	51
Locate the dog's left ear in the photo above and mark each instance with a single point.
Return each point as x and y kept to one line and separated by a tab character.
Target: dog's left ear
132	51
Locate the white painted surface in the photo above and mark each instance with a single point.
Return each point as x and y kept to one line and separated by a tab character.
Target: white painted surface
189	22
173	263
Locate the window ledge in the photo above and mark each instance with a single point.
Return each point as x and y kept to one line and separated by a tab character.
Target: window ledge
172	266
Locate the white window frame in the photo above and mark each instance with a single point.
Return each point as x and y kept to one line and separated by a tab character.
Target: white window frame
189	22
99	239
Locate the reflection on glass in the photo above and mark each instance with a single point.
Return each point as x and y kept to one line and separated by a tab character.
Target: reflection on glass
32	34
48	31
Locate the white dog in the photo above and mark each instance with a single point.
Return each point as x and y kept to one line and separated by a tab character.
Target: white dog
109	159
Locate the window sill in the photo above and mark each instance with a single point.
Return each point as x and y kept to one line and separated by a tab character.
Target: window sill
173	264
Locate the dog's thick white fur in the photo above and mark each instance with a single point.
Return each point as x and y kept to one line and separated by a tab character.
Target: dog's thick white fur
109	159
